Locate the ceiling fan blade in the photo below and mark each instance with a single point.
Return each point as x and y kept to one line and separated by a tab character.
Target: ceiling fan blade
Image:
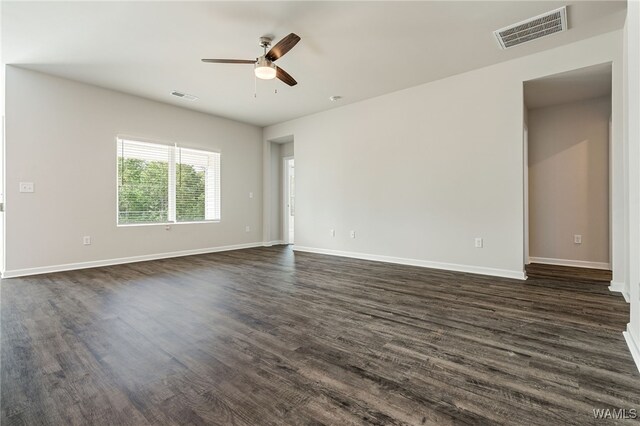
230	61
285	77
282	47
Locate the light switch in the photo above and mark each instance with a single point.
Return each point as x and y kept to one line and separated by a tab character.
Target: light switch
26	186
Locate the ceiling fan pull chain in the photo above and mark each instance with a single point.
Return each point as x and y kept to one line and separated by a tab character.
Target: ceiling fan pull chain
255	86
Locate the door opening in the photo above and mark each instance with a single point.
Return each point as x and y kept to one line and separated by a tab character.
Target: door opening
567	174
289	200
525	141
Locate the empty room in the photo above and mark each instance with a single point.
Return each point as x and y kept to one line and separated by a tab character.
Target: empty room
320	212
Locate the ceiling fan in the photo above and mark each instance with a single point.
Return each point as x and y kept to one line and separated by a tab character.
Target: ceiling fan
264	66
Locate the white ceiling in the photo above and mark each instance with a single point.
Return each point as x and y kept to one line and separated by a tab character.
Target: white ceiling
572	86
356	50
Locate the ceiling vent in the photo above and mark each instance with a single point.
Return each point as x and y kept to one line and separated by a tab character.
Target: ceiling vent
184	96
533	28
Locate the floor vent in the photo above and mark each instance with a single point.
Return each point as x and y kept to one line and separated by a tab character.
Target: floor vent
184	96
533	28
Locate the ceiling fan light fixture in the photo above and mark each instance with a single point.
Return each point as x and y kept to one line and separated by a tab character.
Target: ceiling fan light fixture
265	69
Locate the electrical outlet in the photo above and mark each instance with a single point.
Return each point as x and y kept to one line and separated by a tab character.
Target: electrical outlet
86	240
247	228
352	234
26	187
478	242
577	239
332	232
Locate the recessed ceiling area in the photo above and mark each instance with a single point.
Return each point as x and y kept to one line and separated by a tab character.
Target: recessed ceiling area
357	49
572	86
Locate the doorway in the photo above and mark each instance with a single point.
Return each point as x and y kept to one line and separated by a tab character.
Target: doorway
566	138
289	199
2	166
525	141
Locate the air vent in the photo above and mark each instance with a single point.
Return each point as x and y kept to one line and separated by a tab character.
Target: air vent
184	96
532	29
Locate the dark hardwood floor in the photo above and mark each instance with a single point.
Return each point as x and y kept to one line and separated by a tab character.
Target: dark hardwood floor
265	337
571	273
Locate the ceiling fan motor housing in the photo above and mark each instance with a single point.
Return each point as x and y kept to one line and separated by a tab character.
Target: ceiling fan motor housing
265	42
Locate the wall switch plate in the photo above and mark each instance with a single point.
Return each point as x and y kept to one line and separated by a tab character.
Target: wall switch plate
478	242
86	240
251	195
577	239
332	232
26	186
247	228
352	234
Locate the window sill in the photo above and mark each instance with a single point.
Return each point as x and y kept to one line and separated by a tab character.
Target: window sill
131	225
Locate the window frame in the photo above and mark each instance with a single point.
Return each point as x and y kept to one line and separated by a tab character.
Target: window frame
174	145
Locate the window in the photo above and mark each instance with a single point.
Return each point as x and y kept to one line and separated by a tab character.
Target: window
166	184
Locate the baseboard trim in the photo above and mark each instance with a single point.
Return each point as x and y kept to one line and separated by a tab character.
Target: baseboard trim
118	261
273	243
567	262
617	287
634	348
415	262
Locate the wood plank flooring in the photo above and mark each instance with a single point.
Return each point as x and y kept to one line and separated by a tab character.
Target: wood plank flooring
268	337
571	273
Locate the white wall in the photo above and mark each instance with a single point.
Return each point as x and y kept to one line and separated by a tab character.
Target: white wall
61	136
569	182
632	133
420	172
286	150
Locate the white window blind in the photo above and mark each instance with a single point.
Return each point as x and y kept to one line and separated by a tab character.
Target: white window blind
163	183
143	171
197	185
